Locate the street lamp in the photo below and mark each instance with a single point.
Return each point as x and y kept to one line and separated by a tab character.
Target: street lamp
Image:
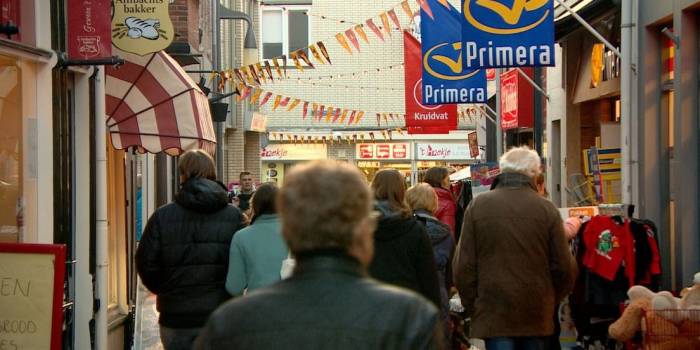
221	12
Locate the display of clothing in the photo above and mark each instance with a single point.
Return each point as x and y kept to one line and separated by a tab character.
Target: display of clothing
609	245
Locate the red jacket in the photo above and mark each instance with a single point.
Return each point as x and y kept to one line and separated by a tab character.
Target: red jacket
446	208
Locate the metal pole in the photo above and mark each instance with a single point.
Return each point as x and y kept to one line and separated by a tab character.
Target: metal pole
533	83
101	226
216	58
499	132
591	29
626	99
537	106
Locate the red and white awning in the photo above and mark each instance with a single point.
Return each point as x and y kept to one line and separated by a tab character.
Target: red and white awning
151	103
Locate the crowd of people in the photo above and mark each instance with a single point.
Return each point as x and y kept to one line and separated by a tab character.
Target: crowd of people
374	264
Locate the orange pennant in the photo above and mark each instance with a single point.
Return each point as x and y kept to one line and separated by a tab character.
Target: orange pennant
302	54
277	67
294	104
426	7
374	28
343	116
329	112
407	9
336	115
444	3
254	72
395	19
256	96
343	42
314	109
385	23
359	117
314	52
361	33
276	104
268	69
259	67
353	39
322	47
295	59
386	120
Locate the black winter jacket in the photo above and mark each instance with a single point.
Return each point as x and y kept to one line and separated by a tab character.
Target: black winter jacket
328	303
183	254
403	255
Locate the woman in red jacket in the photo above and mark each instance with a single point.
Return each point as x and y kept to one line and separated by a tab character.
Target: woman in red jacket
439	179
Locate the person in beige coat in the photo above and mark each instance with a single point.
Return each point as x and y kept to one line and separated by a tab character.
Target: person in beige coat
512	265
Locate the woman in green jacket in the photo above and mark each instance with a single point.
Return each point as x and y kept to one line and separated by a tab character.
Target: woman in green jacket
257	251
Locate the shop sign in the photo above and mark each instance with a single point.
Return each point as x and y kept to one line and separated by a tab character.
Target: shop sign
10	19
512	34
142	26
31	295
258	122
444	78
422	119
473	144
293	152
383	151
443	151
516	100
89	29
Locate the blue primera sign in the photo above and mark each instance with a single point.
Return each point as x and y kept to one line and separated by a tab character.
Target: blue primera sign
508	33
445	81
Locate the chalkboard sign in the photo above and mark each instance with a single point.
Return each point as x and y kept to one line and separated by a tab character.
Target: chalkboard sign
31	296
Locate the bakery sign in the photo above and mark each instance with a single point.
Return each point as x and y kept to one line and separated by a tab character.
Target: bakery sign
283	152
383	151
141	26
443	151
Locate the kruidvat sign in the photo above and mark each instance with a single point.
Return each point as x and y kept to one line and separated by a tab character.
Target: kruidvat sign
516	33
445	81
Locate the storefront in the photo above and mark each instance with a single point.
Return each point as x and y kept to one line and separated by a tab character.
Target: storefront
371	157
451	155
278	159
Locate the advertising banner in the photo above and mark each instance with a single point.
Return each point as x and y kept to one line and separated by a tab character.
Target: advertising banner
473	144
142	26
293	152
517	95
443	151
383	151
422	119
89	29
444	78
517	33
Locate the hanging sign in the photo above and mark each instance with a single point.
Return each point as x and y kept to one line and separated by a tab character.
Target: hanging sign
473	144
517	110
383	151
89	29
31	295
293	152
443	151
141	26
518	33
258	122
444	78
422	119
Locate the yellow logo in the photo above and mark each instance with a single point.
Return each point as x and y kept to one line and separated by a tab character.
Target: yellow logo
510	15
454	67
141	27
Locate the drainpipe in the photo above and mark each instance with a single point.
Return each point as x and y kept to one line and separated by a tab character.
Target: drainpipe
101	239
626	76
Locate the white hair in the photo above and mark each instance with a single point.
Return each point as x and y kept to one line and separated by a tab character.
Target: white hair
521	160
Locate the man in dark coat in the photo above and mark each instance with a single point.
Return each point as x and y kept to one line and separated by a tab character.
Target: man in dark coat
183	254
329	302
513	265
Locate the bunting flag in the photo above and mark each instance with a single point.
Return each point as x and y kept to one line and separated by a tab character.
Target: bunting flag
359	116
386	119
321	113
245	92
385	23
384	134
343	42
394	18
276	104
222	82
256	96
353	39
336	115
329	113
294	104
352	118
295	138
305	57
343	116
306	110
259	68
268	69
407	9
324	52
289	137
361	33
371	136
285	101
445	3
347	138
284	66
317	56
265	99
340	139
295	59
388	132
277	67
239	75
254	74
314	109
379	119
426	7
374	28
362	137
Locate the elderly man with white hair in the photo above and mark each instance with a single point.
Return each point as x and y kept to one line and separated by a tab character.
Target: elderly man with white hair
512	265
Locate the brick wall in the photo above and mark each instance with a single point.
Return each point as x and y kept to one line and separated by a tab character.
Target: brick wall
179	17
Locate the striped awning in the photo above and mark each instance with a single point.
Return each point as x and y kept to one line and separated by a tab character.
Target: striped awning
152	104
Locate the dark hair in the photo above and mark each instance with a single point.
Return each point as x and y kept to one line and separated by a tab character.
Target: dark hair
196	164
264	200
435	175
388	185
243	173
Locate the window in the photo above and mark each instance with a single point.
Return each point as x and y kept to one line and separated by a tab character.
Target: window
11	142
284	29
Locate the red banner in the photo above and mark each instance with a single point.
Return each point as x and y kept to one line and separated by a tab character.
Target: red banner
422	119
517	97
10	18
89	28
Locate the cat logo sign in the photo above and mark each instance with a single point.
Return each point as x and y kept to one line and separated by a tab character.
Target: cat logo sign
522	16
141	27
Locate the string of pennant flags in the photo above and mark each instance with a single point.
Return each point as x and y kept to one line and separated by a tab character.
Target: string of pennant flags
350	138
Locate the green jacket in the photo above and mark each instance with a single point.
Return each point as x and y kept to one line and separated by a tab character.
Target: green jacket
256	256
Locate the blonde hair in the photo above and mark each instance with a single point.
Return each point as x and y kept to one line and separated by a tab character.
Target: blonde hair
196	163
422	196
322	204
521	160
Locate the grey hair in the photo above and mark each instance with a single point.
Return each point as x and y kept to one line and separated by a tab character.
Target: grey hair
521	160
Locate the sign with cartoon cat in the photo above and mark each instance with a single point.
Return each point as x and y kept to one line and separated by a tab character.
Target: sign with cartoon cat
141	26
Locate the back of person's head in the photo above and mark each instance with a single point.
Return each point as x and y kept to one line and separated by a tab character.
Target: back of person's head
521	160
388	185
196	163
323	205
264	200
422	196
435	176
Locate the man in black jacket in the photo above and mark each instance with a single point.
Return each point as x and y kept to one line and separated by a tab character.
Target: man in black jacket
183	255
329	302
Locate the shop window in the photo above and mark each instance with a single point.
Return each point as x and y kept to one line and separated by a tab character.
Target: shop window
117	232
11	142
668	53
284	29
